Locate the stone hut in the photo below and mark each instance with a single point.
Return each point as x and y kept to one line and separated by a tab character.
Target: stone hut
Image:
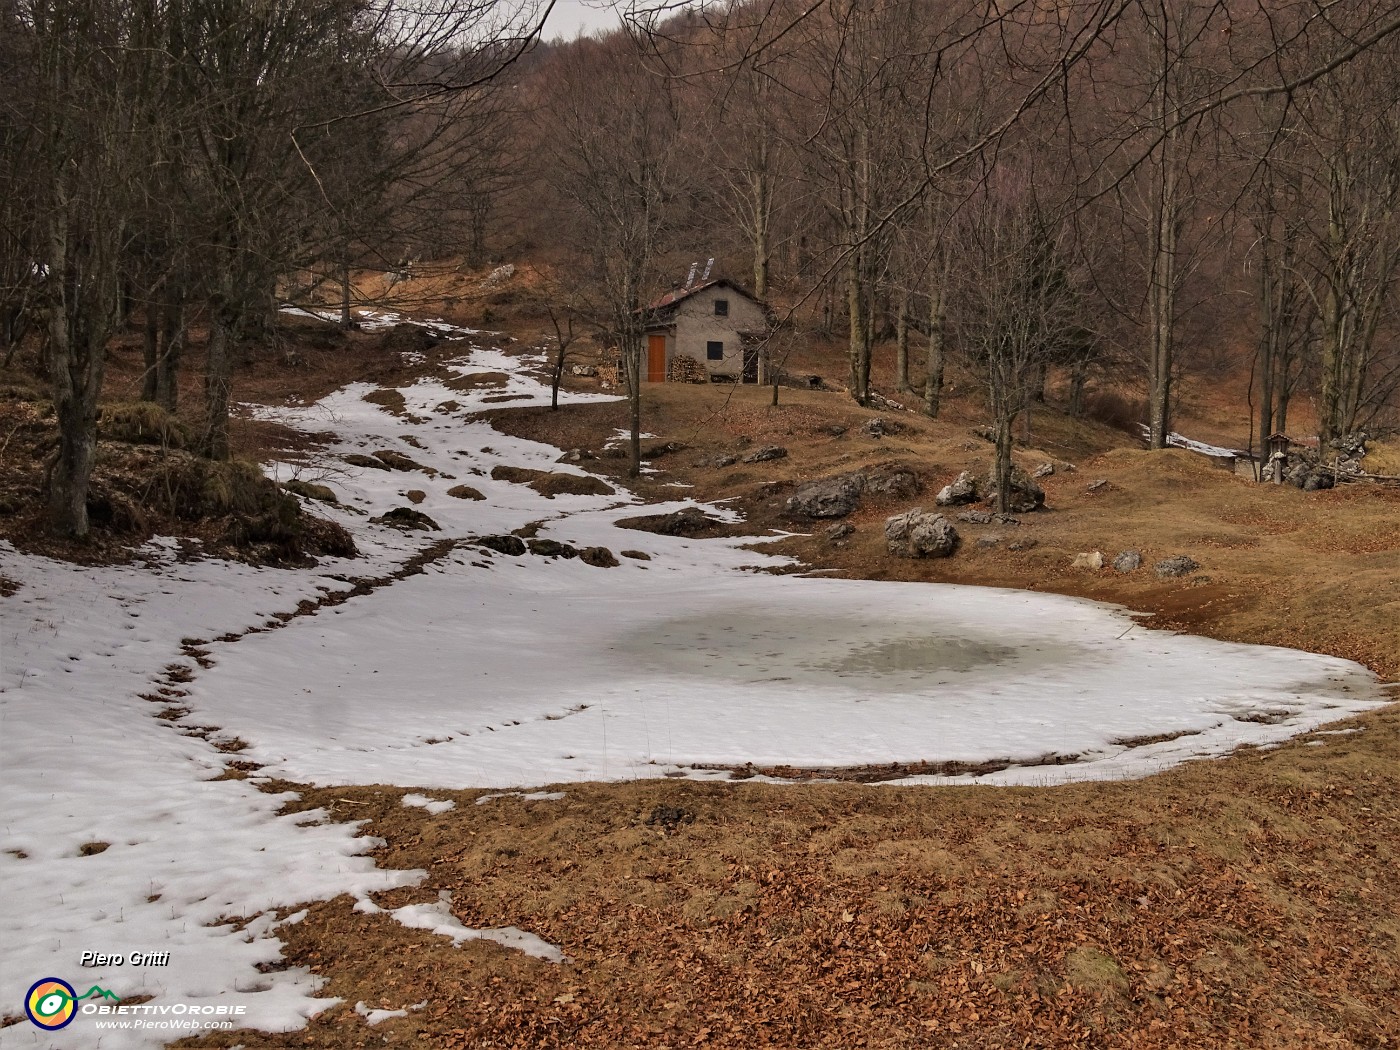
716	323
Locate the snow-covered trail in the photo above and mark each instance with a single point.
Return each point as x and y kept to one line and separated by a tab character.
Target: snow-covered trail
486	670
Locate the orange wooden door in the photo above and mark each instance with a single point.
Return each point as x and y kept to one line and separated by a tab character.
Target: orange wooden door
656	358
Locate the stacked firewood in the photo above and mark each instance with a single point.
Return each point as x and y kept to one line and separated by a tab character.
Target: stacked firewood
685	369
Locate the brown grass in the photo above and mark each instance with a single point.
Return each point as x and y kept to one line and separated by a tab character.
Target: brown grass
1246	902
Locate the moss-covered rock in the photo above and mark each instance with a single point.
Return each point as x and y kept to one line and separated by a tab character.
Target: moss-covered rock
143	423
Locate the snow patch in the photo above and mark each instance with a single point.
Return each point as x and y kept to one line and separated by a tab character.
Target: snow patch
528	796
437	918
433	806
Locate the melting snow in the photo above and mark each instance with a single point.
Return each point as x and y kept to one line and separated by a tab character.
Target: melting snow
433	806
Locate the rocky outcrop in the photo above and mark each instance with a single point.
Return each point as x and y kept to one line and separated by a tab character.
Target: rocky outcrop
512	545
1128	561
408	519
689	521
598	557
838	496
827	497
1025	496
891	481
552	549
1176	565
963	489
917	534
765	453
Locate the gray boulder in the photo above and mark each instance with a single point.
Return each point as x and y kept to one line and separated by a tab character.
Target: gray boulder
837	496
1351	446
512	545
1128	561
766	453
552	549
837	533
892	481
916	534
962	490
828	497
598	557
1176	565
976	517
1026	495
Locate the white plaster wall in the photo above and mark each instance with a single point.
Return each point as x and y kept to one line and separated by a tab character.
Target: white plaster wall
696	325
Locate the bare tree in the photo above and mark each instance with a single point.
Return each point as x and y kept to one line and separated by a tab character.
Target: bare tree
618	165
1347	151
85	163
1016	307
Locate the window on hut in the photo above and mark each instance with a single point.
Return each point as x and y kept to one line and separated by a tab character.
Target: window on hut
721	307
714	351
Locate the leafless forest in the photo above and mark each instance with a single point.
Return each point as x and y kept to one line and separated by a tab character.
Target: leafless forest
1118	191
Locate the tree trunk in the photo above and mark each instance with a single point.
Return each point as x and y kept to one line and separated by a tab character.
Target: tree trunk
217	384
901	346
1162	294
632	372
1078	375
72	469
933	381
168	359
762	216
346	321
860	347
150	352
1268	337
80	316
1004	422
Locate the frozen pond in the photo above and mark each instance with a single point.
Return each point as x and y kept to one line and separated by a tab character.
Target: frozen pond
530	673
